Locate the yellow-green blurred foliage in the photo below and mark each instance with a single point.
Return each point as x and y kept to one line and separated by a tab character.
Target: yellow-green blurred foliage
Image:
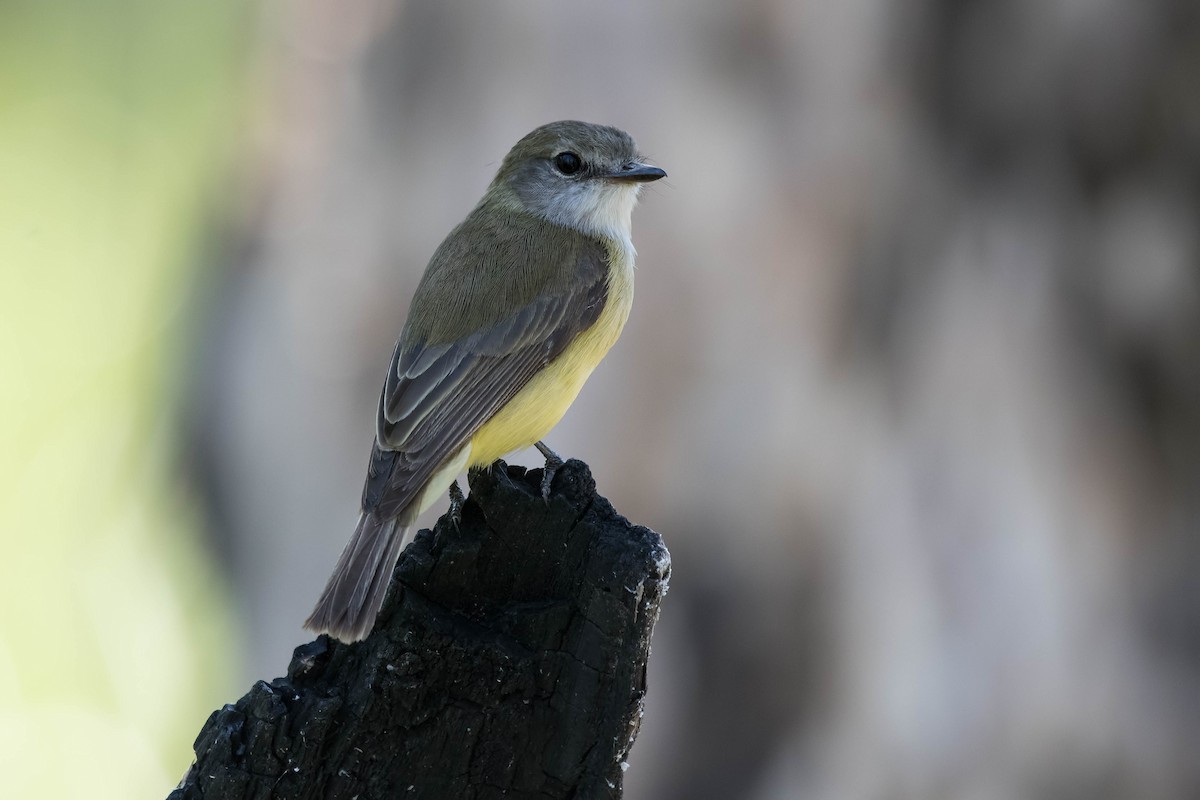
117	122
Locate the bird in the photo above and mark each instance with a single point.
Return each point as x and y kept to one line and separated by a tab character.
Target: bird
516	308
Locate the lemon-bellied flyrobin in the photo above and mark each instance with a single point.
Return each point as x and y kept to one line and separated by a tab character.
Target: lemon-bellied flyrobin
516	308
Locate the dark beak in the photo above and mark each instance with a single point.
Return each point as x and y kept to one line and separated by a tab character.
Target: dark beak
637	173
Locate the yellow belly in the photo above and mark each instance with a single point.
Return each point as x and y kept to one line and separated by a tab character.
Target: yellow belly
539	406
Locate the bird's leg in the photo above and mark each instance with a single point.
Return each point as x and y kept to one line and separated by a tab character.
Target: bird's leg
553	462
456	504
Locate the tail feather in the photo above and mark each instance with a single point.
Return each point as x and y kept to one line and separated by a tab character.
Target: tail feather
355	592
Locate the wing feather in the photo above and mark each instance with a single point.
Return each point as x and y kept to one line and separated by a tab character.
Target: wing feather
437	396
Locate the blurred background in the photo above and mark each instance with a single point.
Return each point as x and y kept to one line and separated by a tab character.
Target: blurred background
911	386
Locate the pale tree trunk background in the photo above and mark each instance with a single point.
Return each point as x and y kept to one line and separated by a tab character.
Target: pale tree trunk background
911	386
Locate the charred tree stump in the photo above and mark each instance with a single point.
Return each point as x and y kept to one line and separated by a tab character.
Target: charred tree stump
509	661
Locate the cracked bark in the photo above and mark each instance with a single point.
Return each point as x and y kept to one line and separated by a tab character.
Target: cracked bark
509	661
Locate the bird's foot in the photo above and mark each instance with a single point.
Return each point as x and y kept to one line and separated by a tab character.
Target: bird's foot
473	473
553	462
456	504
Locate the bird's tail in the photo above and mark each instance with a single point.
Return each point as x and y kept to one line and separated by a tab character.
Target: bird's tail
355	592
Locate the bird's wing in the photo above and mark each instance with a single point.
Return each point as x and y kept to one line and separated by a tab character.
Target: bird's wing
437	396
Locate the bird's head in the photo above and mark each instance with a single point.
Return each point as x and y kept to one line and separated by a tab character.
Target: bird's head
576	174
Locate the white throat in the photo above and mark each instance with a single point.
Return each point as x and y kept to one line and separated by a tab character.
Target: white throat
600	209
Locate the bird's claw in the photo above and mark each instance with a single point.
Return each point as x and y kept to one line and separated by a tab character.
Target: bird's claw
553	462
456	504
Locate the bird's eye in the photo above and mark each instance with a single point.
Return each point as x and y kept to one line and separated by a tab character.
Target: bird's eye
568	163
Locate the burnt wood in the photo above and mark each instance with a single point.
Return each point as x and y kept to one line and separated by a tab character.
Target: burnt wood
509	661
